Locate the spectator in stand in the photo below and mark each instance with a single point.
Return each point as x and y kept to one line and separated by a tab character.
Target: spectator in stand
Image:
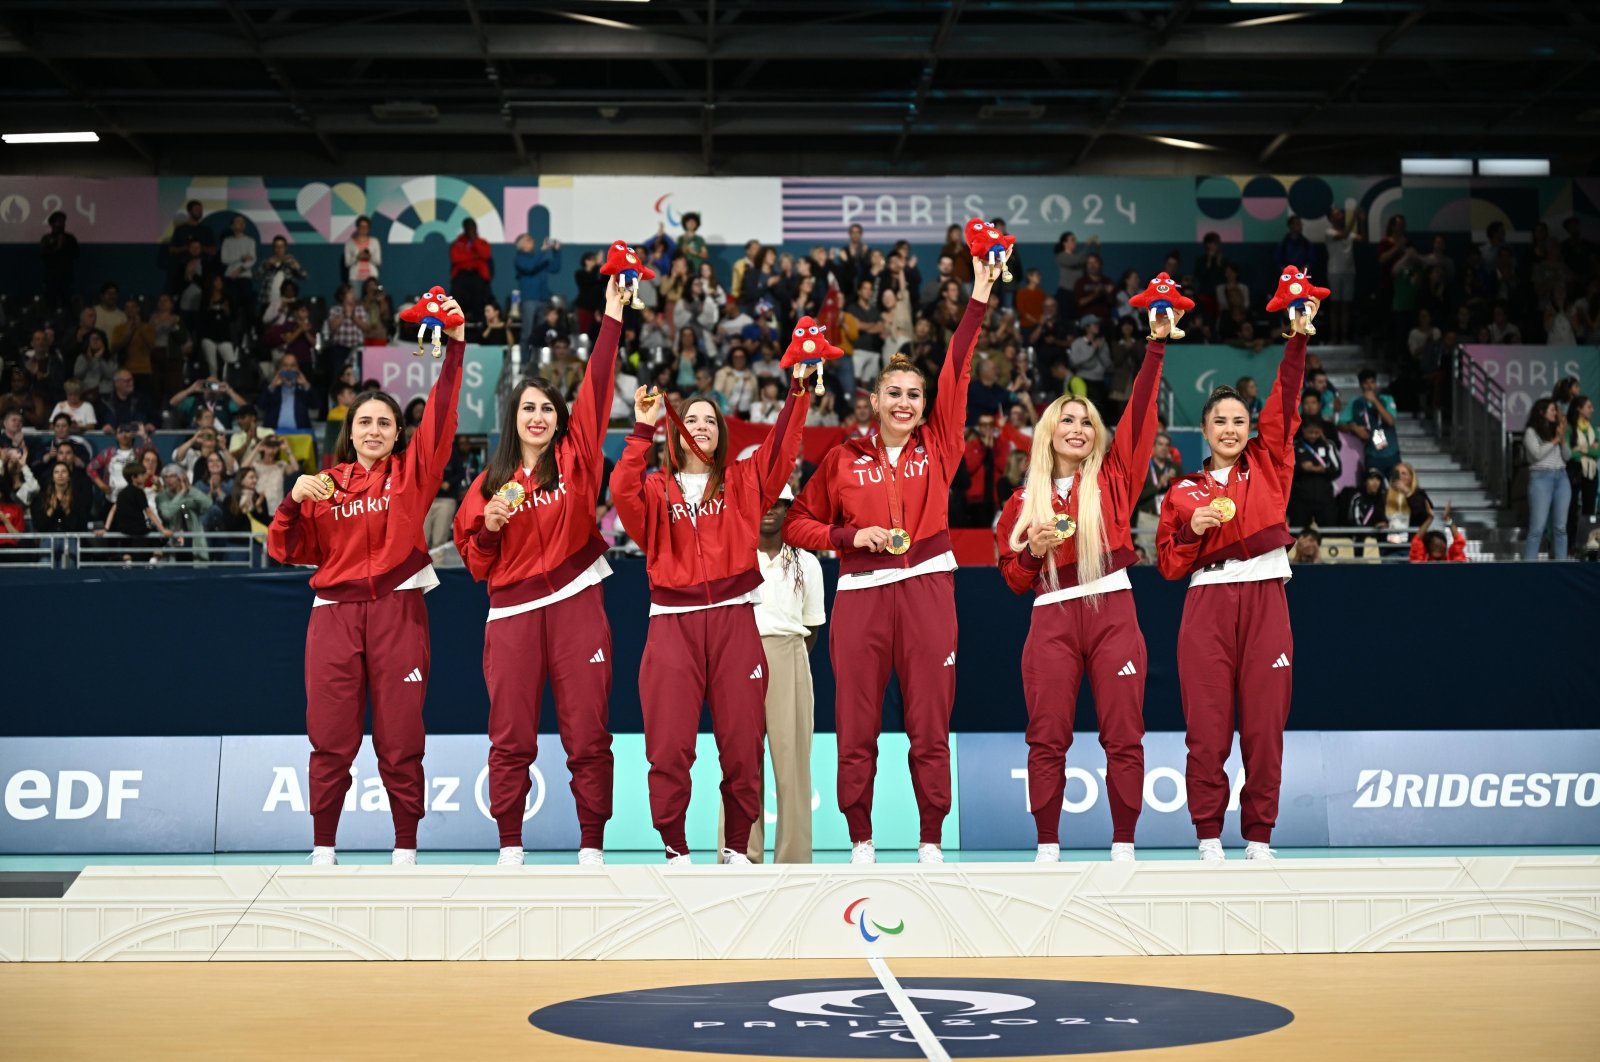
63	505
1501	328
244	503
1435	546
238	258
211	478
1307	548
191	242
247	434
1363	506
1089	357
985	461
693	245
1340	239
1164	468
698	311
770	404
133	516
737	383
108	316
471	270
1030	300
47	370
1584	467
1210	273
820	413
274	466
1317	467
1407	505
296	338
273	271
94	366
534	268
1544	442
63	446
1093	294
985	396
1294	248
283	404
1070	265
217	326
346	328
183	509
495	332
12	437
198	448
1128	285
196	274
863	333
1317	380
1051	338
79	336
126	406
58	261
363	254
134	344
1423	336
380	314
22	399
13	509
1372	421
1246	386
459	472
17	481
591	293
81	413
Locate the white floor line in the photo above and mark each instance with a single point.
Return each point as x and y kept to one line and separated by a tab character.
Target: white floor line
915	1023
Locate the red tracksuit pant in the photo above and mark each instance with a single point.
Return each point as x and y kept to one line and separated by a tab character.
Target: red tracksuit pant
909	626
355	651
1235	648
1065	640
712	657
569	643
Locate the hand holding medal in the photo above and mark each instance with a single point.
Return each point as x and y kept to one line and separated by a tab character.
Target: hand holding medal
313	488
647	405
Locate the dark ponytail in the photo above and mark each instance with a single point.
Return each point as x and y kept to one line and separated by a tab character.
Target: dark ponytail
1221	394
899	362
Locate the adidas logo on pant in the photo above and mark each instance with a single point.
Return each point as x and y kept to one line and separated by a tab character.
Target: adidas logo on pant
415	676
1128	669
756	673
1282	661
599	657
950	661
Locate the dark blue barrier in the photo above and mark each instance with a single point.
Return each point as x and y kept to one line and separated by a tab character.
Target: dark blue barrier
1432	647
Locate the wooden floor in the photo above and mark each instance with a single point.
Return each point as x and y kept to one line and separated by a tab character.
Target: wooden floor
1528	1006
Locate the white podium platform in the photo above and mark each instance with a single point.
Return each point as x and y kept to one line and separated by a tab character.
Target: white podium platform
770	912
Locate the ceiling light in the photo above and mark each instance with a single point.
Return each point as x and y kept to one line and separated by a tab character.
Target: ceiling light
595	20
1513	167
1436	167
1267	20
50	138
1192	145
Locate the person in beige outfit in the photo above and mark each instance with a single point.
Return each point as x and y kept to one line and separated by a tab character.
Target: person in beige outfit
788	616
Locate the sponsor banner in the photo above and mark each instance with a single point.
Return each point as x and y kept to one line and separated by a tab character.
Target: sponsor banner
994	794
1529	373
262	803
110	210
1462	787
108	794
602	209
406	376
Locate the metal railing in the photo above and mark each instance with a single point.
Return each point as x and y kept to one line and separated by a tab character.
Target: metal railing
1340	545
87	549
1476	428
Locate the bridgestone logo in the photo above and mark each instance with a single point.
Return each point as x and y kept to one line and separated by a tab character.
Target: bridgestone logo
1385	789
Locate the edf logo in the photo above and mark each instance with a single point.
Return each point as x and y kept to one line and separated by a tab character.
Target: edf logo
78	794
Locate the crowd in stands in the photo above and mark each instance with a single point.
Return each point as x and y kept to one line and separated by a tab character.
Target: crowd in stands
258	361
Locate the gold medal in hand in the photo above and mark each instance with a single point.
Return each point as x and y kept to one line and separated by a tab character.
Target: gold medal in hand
512	494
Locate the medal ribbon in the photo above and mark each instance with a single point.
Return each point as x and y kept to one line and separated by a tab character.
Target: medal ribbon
897	515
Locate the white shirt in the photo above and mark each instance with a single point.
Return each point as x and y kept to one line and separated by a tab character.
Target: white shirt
1117	580
83	416
693	485
424	580
590	576
1270	565
784	610
943	562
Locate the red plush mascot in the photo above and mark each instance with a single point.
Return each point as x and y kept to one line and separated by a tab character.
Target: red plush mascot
1294	288
429	312
1163	297
627	265
809	346
985	242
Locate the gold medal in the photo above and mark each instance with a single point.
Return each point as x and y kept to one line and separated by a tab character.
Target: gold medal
327	481
1226	507
649	399
1065	526
899	541
512	494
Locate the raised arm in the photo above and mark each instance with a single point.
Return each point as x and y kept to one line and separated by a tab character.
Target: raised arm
947	419
1129	458
429	449
591	407
773	460
627	478
1280	414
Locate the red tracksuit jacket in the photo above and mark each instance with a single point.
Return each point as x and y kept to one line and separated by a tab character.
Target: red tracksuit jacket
368	539
551	537
1258	485
1121	479
711	558
847	491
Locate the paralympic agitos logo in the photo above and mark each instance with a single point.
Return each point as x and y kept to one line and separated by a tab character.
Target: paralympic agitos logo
860	921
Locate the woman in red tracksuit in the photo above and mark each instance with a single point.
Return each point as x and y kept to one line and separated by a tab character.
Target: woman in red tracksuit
883	504
368	634
1083	614
1223	526
543	559
699	523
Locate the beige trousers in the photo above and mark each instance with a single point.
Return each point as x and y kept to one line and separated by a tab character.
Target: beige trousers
789	726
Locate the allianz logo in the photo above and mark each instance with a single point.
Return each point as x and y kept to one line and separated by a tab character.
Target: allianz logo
1377	788
287	793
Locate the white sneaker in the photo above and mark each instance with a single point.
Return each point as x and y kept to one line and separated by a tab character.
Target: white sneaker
1122	852
591	857
1048	853
403	857
732	858
1211	851
322	856
863	852
929	853
510	856
1259	852
675	859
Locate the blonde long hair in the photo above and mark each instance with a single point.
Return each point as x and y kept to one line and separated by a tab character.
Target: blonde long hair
1399	501
1038	505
